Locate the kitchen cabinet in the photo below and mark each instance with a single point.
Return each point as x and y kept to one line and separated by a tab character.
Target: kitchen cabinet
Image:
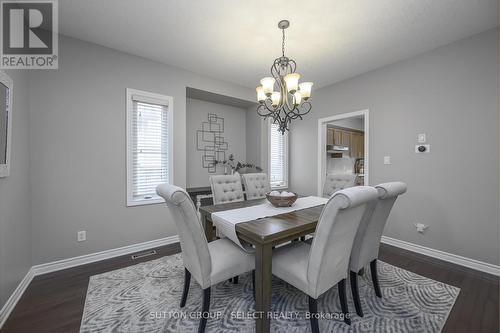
345	137
338	137
329	136
353	139
357	146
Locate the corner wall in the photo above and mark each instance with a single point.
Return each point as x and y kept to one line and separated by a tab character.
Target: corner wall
15	219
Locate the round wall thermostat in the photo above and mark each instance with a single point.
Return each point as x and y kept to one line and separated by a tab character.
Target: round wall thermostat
422	148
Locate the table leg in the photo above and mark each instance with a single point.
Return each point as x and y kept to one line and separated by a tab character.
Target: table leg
263	290
208	226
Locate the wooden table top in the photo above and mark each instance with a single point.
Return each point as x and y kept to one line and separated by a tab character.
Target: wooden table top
275	229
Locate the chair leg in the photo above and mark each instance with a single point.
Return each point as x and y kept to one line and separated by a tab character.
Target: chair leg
376	285
235	280
355	293
313	310
253	283
343	302
187	281
204	311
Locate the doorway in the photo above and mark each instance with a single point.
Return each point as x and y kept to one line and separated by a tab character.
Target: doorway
343	147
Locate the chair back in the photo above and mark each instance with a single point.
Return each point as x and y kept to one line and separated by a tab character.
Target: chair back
367	241
194	246
334	236
256	185
336	182
226	188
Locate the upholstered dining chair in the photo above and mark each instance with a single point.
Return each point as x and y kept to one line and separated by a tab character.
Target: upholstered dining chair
256	185
335	182
367	241
209	263
226	188
316	268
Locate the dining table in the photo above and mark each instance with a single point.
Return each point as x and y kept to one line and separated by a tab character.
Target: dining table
264	234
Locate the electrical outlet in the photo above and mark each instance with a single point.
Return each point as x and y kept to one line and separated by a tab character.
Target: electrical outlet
387	160
81	236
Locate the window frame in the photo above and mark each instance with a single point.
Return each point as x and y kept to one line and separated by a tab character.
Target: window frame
148	97
286	140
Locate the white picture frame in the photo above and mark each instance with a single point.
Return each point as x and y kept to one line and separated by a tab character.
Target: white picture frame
6	144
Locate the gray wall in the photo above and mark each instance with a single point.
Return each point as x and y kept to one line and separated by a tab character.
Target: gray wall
15	223
256	138
353	123
451	94
77	141
234	133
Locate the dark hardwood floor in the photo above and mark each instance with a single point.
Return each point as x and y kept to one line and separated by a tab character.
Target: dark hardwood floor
54	302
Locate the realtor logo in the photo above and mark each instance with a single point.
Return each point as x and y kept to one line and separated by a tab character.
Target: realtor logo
29	32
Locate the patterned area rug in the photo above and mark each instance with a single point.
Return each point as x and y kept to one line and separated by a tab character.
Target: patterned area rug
145	298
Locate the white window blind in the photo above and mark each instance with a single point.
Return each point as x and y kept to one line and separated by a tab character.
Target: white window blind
149	148
278	159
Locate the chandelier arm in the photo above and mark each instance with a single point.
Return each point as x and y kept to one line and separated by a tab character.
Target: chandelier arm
303	109
269	108
262	107
307	107
293	65
274	69
291	104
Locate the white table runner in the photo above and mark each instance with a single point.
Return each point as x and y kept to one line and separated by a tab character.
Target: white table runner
226	221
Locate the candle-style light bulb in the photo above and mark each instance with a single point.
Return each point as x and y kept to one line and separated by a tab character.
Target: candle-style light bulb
261	97
267	85
305	90
292	82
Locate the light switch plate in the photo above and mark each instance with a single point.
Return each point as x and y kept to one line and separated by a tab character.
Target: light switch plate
81	236
387	160
421	138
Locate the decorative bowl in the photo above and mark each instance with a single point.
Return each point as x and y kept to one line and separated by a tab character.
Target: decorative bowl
279	201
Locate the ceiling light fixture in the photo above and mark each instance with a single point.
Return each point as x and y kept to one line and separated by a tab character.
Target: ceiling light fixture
291	99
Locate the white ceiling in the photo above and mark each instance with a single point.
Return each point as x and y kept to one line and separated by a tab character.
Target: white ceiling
236	40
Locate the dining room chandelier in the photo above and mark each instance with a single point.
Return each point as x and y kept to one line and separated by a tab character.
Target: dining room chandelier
290	100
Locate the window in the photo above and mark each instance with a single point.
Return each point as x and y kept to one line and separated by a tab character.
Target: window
278	157
149	145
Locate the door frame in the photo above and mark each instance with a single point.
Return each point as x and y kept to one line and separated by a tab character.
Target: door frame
322	122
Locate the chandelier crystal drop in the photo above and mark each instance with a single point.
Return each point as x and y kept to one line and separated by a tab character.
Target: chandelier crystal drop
281	97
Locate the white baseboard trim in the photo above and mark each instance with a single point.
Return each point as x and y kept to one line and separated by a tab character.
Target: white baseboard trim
453	258
15	297
73	262
103	255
